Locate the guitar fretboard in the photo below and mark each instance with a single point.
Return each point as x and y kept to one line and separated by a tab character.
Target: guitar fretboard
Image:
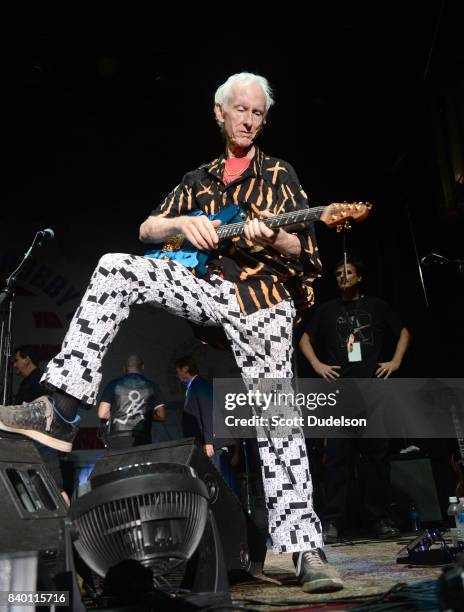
298	216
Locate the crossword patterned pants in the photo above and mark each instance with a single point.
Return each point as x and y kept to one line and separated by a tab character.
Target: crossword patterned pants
261	343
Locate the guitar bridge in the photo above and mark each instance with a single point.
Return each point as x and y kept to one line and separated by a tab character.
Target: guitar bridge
173	244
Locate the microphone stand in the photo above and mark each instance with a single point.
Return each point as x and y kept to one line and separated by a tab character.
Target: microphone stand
8	295
345	259
248	506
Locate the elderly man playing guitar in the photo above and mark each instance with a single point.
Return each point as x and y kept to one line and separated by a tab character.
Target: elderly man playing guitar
255	274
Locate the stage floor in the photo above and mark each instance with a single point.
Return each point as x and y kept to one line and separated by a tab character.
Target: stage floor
367	567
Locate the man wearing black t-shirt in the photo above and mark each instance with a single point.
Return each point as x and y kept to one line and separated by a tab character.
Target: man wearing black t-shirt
130	403
26	365
350	335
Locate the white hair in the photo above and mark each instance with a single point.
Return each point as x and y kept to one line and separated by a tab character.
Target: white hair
223	91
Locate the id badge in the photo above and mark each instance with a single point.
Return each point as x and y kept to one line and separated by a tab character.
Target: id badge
355	353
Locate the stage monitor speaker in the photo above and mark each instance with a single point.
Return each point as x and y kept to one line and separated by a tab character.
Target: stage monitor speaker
243	545
32	507
35	533
413	480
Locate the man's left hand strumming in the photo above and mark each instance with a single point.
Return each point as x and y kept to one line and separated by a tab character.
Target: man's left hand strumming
284	242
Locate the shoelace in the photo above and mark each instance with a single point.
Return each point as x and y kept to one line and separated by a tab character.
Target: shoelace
39	405
34	405
314	558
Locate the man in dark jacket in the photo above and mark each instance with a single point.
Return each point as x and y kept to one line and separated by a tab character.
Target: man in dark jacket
197	418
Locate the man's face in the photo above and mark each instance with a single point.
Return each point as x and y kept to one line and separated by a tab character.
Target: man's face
243	114
183	374
21	365
352	278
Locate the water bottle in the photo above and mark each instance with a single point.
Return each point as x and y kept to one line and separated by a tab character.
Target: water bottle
415	517
460	519
452	513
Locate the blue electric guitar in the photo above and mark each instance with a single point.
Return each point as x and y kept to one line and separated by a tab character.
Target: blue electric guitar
233	219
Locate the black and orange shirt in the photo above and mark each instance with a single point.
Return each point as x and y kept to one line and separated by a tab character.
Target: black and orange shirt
263	277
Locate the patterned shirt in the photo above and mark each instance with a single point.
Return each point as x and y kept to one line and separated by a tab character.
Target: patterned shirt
262	275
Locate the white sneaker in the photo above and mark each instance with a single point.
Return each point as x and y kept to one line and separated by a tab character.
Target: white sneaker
315	573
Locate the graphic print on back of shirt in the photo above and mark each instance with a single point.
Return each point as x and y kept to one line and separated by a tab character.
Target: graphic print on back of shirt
359	323
133	407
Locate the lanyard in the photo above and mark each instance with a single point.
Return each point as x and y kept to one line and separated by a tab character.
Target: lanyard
352	323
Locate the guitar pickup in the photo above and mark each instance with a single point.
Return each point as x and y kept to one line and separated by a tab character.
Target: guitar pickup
173	244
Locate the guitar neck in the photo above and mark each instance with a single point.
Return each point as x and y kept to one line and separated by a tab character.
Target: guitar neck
298	216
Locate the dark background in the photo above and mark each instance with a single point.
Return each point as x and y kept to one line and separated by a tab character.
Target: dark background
105	108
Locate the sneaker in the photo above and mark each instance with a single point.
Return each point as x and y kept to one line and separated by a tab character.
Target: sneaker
315	573
383	531
330	533
41	421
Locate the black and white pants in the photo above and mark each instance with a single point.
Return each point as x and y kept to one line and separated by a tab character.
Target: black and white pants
261	343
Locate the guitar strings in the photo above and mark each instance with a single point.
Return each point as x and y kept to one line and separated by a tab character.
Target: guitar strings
230	227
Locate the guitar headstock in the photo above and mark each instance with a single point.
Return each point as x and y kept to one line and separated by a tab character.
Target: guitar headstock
342	214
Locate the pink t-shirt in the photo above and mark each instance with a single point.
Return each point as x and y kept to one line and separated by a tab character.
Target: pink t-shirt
235	166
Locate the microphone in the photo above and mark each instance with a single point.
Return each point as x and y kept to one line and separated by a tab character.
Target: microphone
46	234
433	258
